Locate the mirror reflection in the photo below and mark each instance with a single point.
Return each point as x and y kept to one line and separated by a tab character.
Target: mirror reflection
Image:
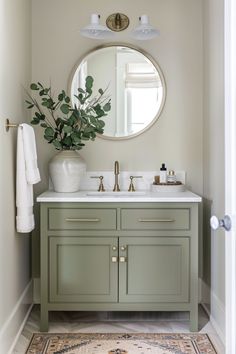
135	84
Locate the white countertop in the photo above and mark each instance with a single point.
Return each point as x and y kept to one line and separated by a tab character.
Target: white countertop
147	197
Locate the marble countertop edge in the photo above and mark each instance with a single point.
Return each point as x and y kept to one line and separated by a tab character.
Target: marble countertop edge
148	197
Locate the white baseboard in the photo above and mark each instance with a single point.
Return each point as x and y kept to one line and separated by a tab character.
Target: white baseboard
14	324
217	317
215	310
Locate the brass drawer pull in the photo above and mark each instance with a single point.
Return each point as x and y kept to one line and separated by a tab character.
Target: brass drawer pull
114	259
122	259
156	220
82	220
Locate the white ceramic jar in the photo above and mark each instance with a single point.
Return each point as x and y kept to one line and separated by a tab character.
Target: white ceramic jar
66	169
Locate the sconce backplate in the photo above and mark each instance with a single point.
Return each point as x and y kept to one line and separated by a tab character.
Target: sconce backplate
117	22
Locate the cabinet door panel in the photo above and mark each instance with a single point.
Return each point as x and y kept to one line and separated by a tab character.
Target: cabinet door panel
81	269
156	270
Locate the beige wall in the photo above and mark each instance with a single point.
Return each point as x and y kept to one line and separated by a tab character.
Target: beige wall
176	138
213	158
15	70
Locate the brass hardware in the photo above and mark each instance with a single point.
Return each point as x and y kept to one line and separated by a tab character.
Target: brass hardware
82	220
114	248
117	22
122	259
116	172
101	186
114	259
156	220
131	186
9	125
123	248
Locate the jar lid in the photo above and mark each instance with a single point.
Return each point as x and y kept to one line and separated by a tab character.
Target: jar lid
171	173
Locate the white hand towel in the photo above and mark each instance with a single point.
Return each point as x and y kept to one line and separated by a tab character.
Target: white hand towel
27	174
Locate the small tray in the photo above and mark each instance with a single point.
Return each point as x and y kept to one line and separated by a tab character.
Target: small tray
168	187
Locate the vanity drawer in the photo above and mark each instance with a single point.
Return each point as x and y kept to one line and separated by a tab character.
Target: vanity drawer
81	219
155	219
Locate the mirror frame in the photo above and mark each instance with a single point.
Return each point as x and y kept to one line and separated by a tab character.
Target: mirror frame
152	60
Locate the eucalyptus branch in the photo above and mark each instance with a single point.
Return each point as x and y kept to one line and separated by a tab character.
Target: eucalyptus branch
65	125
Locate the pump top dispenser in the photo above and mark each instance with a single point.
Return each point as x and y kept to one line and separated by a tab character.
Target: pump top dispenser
163	174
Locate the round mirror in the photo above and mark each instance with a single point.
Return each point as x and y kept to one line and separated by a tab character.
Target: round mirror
135	84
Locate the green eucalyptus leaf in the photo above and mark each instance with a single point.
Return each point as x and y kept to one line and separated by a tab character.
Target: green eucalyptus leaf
67	141
65	108
67	129
34	122
34	87
107	107
84	137
80	98
57	144
89	84
49	132
101	123
60	97
46	104
101	91
48	138
43	125
88	129
67	99
29	102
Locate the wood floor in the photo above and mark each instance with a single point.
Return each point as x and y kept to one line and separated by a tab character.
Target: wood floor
115	322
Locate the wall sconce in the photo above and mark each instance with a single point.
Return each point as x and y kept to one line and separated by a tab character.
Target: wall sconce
144	30
116	23
96	31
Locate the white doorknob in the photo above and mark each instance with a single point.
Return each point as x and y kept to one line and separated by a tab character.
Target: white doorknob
217	223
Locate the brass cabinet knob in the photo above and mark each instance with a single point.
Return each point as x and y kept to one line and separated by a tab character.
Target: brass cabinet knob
122	259
123	248
114	259
114	248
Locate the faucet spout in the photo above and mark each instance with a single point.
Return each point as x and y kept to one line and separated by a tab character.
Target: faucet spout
116	172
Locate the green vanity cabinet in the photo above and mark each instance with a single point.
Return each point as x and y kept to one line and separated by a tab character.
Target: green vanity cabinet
119	256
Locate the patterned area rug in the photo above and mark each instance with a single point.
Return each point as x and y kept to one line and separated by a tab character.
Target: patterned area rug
80	343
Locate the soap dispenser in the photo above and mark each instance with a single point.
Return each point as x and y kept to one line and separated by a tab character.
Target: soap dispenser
163	174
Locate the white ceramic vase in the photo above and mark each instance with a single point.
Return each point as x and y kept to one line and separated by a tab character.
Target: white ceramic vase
66	169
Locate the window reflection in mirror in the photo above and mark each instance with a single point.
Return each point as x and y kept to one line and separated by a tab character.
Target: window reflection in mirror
136	87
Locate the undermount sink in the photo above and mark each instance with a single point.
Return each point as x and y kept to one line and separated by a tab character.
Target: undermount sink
115	194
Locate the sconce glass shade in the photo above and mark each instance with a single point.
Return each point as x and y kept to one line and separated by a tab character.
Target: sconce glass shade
144	31
96	31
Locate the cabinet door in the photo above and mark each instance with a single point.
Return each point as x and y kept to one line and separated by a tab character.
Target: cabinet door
154	269
83	269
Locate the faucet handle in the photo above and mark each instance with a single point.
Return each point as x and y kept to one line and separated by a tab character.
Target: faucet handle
131	186
101	186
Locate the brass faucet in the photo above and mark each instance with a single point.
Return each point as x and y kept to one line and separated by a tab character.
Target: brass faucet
116	172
